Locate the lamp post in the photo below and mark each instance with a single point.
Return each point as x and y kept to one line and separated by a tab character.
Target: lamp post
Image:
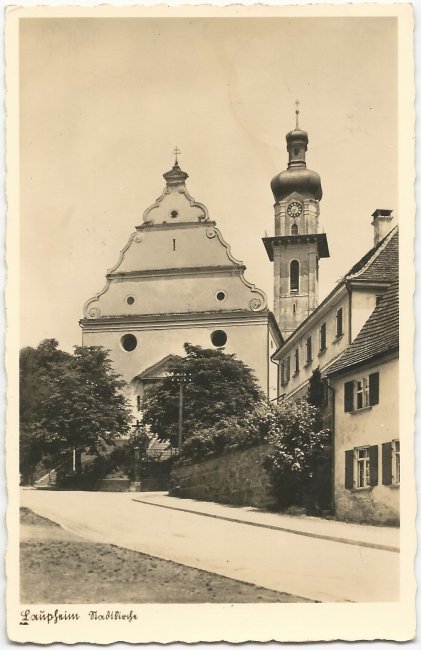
181	379
135	485
136	465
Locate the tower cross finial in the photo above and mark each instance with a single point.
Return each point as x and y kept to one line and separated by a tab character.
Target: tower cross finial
176	151
297	112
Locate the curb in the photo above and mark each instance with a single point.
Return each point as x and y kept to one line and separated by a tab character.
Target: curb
340	540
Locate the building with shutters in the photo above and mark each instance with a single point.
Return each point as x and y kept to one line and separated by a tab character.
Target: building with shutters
365	385
176	281
351	338
321	338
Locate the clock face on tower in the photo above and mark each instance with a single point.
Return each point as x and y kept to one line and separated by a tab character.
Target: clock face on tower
294	209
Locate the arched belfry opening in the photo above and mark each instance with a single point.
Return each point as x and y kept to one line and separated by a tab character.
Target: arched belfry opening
294	276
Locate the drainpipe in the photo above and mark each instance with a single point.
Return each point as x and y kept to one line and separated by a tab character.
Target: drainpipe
333	397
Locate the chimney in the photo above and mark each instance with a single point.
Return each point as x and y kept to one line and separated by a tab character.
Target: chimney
382	223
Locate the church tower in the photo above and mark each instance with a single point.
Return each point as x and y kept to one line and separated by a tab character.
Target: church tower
297	245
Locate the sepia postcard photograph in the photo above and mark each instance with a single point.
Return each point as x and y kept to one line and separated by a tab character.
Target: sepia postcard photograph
209	347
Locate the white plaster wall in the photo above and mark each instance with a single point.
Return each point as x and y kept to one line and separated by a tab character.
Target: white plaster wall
372	426
156	249
363	305
176	198
174	294
248	341
334	346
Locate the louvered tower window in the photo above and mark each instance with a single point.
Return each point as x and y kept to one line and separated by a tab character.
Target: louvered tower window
294	275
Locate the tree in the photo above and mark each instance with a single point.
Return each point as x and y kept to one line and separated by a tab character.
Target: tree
35	368
316	393
219	386
68	402
299	458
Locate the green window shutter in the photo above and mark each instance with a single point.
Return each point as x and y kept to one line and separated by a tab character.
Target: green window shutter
373	454
373	387
387	463
349	396
349	469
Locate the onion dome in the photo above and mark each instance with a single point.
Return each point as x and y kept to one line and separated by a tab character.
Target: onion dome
175	176
297	178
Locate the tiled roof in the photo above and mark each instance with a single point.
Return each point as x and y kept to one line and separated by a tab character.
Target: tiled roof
381	262
159	369
379	335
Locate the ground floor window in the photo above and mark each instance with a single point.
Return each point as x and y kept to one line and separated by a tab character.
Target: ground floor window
361	467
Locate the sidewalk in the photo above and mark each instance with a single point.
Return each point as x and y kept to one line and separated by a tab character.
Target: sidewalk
379	537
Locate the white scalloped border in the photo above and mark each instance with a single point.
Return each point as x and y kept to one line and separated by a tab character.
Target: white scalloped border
114	268
181	190
248	284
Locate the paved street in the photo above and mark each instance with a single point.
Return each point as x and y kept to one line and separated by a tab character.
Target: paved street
306	566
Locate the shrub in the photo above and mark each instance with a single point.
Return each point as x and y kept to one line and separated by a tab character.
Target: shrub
229	434
299	460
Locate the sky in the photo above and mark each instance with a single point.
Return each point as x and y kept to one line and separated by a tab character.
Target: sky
103	102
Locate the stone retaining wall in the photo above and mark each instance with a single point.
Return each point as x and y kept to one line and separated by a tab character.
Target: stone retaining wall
237	478
113	485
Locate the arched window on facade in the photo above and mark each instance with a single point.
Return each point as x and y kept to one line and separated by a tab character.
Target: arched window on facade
294	229
294	275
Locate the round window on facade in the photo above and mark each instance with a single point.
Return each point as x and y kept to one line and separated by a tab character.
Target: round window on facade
221	295
174	214
129	342
130	300
218	338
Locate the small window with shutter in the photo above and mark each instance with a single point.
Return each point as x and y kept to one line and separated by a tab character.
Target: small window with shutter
309	351
391	463
361	467
285	371
349	469
387	463
361	393
396	462
339	329
323	337
373	383
349	396
297	361
373	454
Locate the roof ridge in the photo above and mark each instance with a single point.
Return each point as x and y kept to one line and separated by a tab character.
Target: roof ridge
380	247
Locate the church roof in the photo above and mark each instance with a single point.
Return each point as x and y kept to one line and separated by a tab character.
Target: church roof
158	369
379	335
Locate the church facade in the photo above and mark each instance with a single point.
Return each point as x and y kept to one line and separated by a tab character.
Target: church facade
177	281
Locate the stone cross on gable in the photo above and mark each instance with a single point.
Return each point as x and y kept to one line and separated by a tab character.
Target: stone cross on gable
176	151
